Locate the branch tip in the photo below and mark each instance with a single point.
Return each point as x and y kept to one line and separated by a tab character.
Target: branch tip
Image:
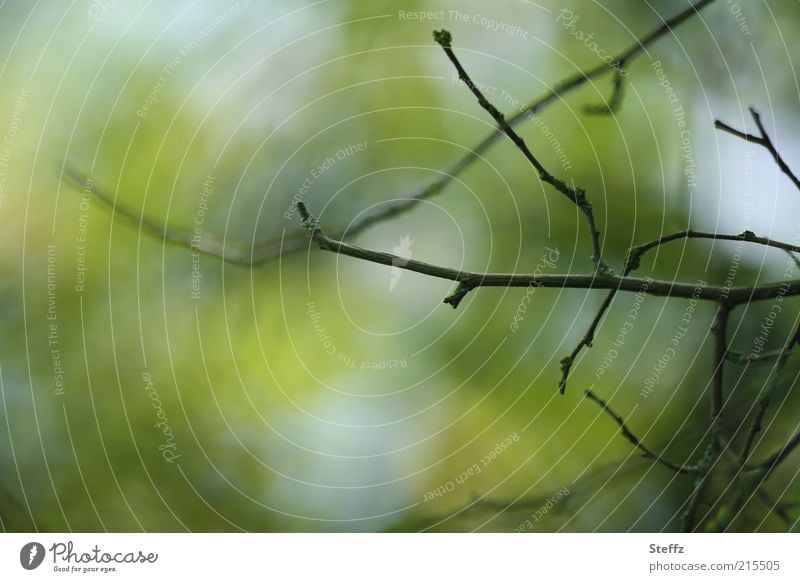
310	223
443	37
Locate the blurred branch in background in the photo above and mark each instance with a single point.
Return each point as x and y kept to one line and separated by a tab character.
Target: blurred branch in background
741	479
270	249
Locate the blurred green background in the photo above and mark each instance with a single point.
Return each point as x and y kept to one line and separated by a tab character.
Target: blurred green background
147	389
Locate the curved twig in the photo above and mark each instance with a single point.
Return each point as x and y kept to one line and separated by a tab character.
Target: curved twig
267	250
576	195
628	434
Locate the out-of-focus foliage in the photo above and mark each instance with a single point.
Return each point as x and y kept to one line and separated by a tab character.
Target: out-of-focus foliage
144	388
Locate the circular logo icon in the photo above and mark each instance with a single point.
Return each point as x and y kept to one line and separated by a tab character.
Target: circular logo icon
31	555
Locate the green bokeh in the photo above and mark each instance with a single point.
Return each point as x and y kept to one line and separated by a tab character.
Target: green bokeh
308	394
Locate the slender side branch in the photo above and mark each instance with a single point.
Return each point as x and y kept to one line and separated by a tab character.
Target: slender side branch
737	357
613	103
765	398
468	279
568	85
182	237
772	462
628	434
633	261
576	195
748	484
585	342
636	253
764	141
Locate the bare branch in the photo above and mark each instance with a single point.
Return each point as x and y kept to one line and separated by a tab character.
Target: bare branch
764	141
628	434
267	250
765	398
636	253
576	195
772	463
718	443
632	262
613	103
587	340
471	280
185	238
552	96
706	466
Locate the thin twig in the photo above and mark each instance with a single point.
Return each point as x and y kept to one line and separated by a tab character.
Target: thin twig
632	262
773	461
613	103
766	396
636	253
706	466
267	250
205	243
471	280
585	341
767	466
764	141
737	357
576	81
576	195
628	434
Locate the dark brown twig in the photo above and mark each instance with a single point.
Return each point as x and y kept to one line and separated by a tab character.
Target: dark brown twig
718	443
467	279
576	195
628	434
632	262
764	141
765	398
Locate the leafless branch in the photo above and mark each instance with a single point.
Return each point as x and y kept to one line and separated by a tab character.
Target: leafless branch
632	262
764	141
765	398
267	250
576	195
470	280
628	434
613	103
